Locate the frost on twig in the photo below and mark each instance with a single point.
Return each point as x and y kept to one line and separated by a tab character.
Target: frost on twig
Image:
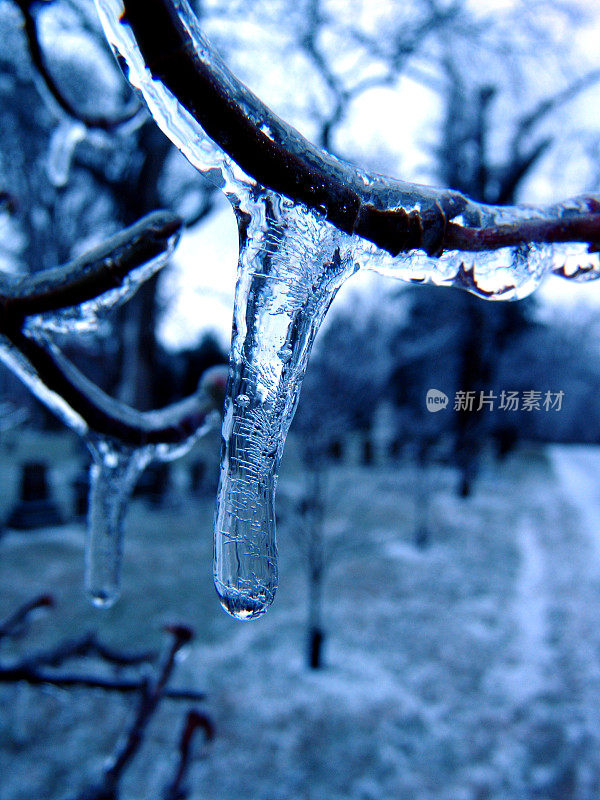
307	221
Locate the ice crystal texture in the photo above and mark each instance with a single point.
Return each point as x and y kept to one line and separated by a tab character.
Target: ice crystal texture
290	269
86	316
292	262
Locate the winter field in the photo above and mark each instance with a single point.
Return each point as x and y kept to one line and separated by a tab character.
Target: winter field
464	671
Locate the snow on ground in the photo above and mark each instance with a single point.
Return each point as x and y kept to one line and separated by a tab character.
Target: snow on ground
465	671
578	470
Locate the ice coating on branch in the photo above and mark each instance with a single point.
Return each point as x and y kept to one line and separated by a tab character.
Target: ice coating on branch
115	467
20	366
507	273
292	261
87	316
113	475
173	119
290	268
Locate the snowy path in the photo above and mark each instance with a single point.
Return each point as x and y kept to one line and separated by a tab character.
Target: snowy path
578	470
569	524
525	671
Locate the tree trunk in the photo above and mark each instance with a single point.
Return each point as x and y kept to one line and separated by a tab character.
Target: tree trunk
316	634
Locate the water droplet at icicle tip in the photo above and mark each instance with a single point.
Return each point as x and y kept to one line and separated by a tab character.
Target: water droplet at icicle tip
240	605
103	598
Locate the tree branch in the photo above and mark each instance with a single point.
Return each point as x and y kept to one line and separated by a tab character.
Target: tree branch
85	646
39	62
582	227
546	106
394	215
150	697
276	155
98	271
195	720
46	370
36	670
40	677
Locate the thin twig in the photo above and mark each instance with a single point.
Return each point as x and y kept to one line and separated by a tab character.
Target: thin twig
194	721
152	693
40	677
101	122
86	645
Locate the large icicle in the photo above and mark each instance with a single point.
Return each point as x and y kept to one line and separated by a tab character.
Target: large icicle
290	268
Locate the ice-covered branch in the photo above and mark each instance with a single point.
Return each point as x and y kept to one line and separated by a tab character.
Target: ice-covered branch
122	440
70	298
576	220
106	268
89	410
394	215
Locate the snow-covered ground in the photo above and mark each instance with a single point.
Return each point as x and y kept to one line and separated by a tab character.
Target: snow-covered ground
465	671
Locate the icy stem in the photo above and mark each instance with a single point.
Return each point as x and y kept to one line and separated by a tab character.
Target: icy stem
113	475
290	267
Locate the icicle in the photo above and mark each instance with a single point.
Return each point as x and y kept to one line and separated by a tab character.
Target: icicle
289	270
113	475
63	142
